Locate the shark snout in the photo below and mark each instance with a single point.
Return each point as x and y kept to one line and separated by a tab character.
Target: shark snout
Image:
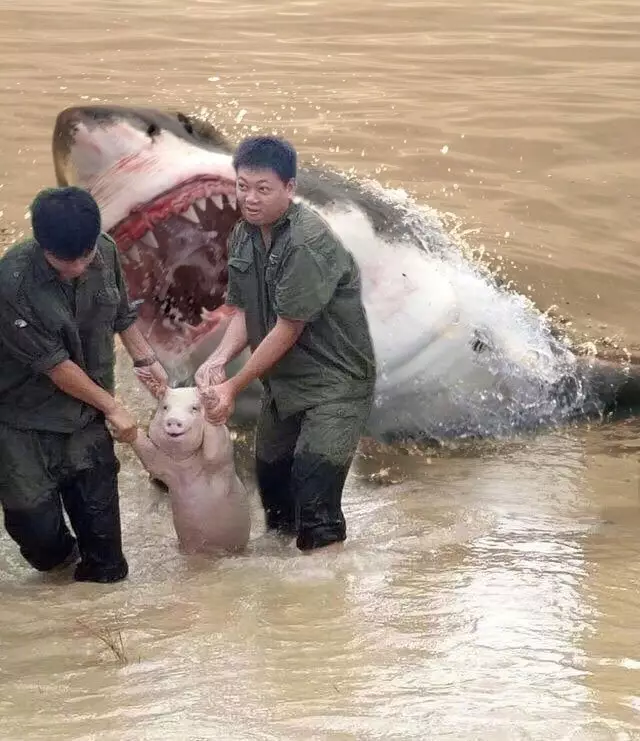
84	138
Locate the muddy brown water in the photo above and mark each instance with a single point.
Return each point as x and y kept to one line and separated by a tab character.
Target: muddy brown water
489	592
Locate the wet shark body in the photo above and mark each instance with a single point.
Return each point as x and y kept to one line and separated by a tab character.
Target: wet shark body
457	355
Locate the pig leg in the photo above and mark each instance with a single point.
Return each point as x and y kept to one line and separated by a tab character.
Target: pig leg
217	453
217	448
153	459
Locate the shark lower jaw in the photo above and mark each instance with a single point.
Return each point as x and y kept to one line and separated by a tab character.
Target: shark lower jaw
173	251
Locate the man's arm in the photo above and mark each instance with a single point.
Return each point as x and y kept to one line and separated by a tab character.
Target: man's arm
127	312
125	323
136	344
220	400
71	379
41	351
148	369
233	342
274	346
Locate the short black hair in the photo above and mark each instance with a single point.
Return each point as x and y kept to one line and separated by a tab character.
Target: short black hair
267	153
66	221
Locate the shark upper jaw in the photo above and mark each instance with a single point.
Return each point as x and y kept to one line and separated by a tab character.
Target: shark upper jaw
199	200
129	159
168	199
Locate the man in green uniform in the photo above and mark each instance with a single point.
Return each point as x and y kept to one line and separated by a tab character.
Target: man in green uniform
299	308
62	298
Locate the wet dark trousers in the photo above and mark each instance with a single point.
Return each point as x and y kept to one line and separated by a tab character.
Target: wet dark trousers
302	463
302	496
90	498
44	474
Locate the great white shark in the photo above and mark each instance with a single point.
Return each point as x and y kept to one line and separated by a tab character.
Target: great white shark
457	354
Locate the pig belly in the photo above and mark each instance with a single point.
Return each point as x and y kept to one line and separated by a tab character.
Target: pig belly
211	516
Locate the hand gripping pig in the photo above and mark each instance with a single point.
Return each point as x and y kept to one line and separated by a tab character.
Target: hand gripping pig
195	460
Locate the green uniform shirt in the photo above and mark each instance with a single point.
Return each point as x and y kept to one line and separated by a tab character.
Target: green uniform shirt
44	321
305	275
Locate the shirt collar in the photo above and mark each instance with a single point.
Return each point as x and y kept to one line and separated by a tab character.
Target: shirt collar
286	216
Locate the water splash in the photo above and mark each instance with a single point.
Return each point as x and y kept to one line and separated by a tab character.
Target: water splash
518	372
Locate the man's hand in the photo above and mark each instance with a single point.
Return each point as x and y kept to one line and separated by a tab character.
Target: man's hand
209	374
154	377
212	371
125	428
219	403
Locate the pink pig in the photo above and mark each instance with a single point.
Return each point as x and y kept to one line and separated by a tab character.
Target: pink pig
195	460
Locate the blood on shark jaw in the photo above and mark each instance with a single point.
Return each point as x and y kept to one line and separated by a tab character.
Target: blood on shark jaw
174	256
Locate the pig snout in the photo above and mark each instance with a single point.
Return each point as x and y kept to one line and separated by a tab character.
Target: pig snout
174	426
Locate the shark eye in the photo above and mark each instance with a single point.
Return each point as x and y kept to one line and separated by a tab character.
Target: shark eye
195	408
153	130
165	407
186	123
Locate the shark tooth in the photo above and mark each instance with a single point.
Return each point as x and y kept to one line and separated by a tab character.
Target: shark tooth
134	253
217	199
150	240
191	215
201	203
232	201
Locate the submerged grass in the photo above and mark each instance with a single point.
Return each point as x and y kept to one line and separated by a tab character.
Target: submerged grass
110	638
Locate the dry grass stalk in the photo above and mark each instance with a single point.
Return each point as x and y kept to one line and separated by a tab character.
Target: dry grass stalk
110	638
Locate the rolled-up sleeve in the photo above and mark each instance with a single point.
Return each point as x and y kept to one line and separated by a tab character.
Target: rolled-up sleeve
308	281
27	341
127	313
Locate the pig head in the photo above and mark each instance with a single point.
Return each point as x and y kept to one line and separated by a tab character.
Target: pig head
178	425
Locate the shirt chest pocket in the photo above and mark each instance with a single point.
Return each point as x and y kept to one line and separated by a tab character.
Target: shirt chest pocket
271	275
240	277
97	325
104	307
239	265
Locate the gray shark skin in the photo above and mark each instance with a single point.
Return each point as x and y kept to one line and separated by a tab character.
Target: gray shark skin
458	356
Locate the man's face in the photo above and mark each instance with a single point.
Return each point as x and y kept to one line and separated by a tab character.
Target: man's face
70	269
262	196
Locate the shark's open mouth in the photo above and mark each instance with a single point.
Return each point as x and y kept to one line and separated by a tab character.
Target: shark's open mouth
174	255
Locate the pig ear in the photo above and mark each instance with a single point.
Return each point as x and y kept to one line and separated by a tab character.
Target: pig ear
155	387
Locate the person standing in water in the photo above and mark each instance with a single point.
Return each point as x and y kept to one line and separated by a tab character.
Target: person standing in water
298	305
62	299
